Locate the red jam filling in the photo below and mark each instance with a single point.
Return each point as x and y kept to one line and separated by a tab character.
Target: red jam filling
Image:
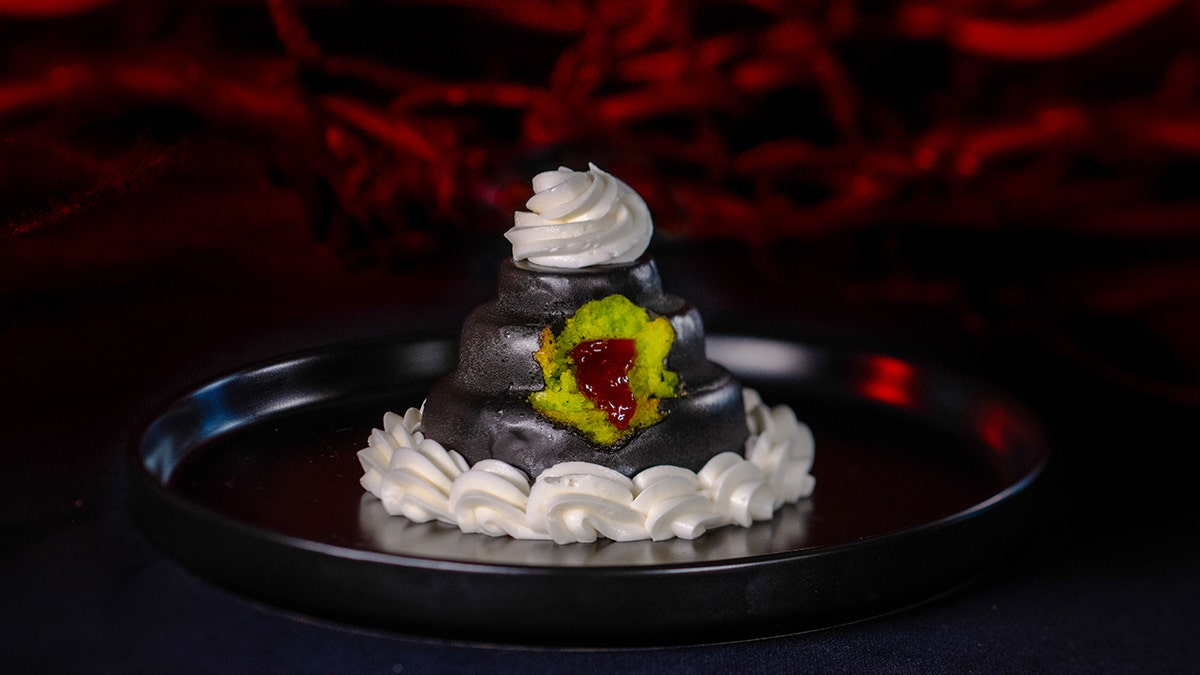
602	373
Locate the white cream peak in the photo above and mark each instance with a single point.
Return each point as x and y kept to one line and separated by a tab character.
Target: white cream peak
579	219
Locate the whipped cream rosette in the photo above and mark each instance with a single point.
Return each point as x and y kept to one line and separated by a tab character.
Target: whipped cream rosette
577	219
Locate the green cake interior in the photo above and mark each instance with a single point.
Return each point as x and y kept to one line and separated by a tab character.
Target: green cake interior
649	380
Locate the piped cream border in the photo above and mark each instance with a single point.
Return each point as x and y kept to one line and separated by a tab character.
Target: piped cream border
415	477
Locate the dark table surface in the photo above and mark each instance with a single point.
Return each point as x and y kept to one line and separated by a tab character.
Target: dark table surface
112	314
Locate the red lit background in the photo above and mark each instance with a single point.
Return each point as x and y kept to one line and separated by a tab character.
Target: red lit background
1005	186
1007	162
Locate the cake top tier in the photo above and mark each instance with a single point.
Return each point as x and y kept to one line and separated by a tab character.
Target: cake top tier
579	219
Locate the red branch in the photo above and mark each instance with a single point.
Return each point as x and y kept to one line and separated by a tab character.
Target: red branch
779	124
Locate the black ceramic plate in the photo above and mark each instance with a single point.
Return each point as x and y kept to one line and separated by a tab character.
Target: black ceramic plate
922	479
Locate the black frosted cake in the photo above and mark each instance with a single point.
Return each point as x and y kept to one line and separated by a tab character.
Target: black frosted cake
583	404
481	408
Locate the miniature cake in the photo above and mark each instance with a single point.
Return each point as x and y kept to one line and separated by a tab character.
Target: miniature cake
583	404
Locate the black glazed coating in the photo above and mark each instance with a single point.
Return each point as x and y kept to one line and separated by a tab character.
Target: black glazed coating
482	410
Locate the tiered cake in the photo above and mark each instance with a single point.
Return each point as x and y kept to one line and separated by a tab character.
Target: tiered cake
585	377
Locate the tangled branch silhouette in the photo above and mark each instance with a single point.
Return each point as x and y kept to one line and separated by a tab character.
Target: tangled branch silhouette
404	125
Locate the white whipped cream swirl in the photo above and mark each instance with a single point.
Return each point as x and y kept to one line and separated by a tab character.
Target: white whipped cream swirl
415	477
578	219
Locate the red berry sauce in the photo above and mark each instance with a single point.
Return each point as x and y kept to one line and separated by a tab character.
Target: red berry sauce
602	373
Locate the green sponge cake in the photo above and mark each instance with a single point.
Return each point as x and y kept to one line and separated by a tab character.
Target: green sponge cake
605	373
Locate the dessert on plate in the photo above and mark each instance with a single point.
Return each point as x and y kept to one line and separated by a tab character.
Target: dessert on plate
583	404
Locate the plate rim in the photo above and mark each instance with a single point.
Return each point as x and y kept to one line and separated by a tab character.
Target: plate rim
148	486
